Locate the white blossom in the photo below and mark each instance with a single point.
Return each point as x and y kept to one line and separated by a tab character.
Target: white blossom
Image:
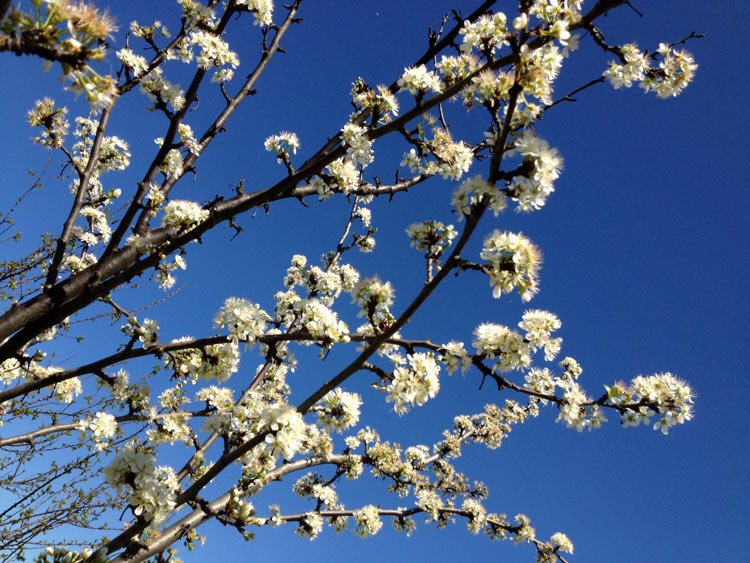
368	521
455	357
310	526
340	410
476	190
263	10
150	490
66	390
531	190
246	321
322	323
562	542
159	89
415	384
358	145
488	33
676	70
102	426
634	69
136	64
418	79
183	213
508	346
283	142
10	370
214	51
539	325
512	262
287	429
431	237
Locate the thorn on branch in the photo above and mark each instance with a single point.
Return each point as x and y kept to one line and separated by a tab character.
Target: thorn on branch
237	228
629	4
693	35
216	200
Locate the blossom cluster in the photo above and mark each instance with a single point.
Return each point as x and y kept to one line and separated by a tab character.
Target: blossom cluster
358	145
368	521
325	284
340	410
98	226
183	213
67	390
373	296
63	555
512	262
10	370
541	69
245	321
488	87
53	121
507	345
575	409
263	10
380	101
322	323
102	426
287	429
149	489
475	190
282	143
173	165
214	51
486	34
215	361
453	158
341	175
539	326
135	395
675	71
457	67
163	274
662	395
532	189
419	80
415	383
188	140
455	357
161	90
310	526
169	428
197	14
312	486
135	64
431	237
633	69
76	263
477	515
239	511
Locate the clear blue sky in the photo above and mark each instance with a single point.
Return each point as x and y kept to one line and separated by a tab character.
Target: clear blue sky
646	263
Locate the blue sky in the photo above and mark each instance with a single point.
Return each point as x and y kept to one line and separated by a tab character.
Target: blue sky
646	261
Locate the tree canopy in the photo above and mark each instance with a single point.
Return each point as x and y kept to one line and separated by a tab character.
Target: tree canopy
347	279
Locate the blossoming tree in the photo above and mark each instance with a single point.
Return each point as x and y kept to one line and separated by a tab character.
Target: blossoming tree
175	432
